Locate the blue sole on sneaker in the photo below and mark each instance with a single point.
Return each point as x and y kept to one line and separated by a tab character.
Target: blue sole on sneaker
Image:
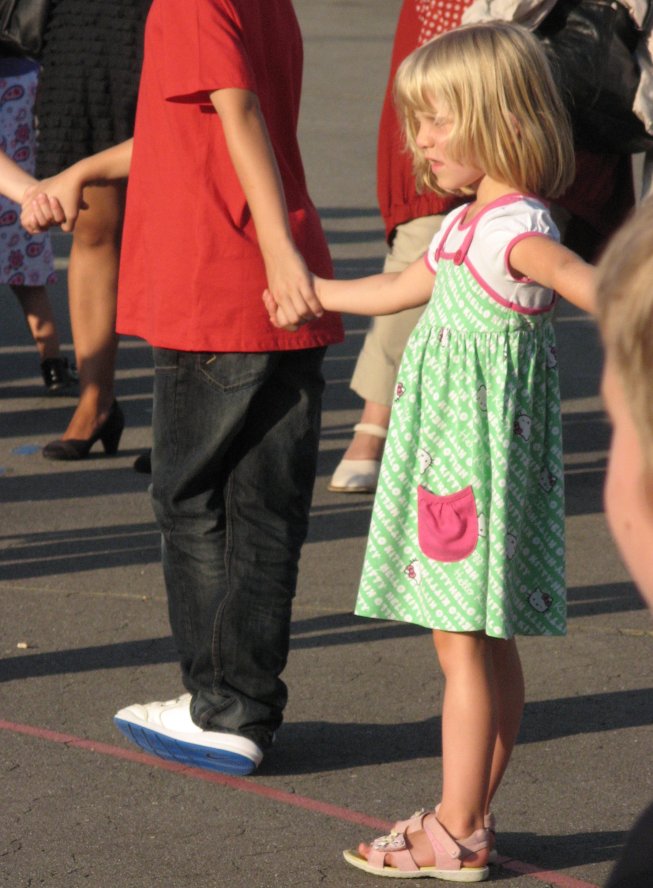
221	760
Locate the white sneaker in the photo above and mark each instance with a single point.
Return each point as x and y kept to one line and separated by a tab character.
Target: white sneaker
167	730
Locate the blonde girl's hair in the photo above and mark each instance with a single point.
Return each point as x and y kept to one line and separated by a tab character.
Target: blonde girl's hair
624	302
495	82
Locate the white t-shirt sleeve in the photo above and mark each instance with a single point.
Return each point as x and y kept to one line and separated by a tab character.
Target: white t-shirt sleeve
497	235
489	253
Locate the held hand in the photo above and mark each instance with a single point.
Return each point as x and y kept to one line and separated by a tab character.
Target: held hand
277	315
45	202
40	212
291	286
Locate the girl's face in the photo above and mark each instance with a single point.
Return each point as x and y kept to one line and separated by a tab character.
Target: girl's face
434	129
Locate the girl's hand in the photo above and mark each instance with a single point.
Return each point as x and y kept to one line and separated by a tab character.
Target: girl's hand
277	315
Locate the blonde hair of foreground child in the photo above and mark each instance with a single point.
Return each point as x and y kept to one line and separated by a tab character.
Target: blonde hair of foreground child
494	81
624	302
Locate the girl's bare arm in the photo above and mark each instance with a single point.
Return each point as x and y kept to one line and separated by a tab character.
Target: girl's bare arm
552	265
379	294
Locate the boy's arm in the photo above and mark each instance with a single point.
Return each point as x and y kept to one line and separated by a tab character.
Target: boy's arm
68	186
251	153
552	265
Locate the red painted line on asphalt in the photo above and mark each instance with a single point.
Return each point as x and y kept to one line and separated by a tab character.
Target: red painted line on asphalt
247	785
239	783
527	869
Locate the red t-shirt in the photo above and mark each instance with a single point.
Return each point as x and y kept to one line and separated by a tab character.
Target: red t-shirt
191	272
399	200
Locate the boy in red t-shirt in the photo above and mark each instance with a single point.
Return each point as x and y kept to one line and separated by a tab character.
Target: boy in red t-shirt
217	210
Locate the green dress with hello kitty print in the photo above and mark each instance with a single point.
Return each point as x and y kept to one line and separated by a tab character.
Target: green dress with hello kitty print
467	530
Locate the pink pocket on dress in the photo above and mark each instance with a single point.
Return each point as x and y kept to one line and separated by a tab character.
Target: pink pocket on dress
447	526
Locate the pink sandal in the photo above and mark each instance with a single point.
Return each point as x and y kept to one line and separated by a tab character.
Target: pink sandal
449	854
489	822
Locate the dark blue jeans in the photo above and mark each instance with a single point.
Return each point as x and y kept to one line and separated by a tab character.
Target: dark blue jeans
233	465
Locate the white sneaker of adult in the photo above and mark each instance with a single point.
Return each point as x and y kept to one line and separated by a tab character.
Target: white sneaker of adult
166	729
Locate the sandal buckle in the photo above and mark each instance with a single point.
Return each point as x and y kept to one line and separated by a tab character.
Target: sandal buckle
392	842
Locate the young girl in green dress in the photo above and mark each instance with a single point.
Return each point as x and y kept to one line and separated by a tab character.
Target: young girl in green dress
467	533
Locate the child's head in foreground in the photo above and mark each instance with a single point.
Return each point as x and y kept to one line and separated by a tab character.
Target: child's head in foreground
625	314
494	81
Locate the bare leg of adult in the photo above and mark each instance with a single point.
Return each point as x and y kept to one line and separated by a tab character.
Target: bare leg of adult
40	320
92	291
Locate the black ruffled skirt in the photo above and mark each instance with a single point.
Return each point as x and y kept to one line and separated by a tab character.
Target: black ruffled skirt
88	87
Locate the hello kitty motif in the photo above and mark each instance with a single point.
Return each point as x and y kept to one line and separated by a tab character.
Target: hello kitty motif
547	480
413	571
540	601
425	460
522	427
511	546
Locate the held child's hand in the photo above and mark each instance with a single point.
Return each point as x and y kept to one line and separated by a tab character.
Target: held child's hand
291	285
40	211
277	315
44	202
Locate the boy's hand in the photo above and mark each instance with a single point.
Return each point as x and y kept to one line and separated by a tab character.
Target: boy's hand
291	285
277	315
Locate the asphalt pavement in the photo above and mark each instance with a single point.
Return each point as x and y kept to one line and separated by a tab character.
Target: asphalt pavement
84	631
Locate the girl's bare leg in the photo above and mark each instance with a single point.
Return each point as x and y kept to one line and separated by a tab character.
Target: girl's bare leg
40	320
92	292
509	689
469	729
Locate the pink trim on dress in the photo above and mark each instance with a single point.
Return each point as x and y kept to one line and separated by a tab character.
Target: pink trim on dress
513	306
460	255
428	263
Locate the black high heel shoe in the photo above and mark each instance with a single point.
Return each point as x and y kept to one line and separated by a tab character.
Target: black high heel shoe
78	448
